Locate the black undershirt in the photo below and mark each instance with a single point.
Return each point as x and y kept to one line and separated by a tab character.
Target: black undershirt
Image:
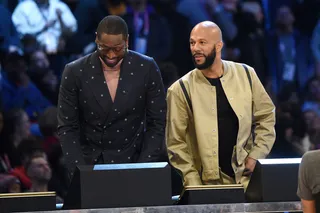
227	128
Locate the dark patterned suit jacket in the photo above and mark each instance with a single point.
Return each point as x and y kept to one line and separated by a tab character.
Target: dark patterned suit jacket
94	129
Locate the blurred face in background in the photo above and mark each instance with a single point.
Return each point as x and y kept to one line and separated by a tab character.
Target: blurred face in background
39	60
285	17
39	170
40	68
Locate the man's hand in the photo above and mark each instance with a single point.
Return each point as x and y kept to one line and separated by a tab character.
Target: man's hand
308	206
250	165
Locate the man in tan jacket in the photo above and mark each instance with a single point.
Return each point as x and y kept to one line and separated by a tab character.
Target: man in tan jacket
220	119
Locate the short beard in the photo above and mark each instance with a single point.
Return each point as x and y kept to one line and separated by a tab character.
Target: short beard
118	58
209	60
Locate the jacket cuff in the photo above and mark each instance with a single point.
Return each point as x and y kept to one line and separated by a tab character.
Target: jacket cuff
257	154
192	179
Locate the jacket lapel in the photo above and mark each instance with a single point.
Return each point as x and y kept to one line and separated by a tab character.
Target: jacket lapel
96	81
127	74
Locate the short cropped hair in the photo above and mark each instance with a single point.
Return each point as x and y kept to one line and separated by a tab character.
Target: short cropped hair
113	25
30	158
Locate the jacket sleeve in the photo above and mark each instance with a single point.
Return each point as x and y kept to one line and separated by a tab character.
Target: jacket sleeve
68	120
263	119
178	150
155	117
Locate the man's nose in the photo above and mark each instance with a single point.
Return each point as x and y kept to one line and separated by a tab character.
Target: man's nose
111	54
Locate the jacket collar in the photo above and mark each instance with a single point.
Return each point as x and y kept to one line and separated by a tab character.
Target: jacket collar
203	79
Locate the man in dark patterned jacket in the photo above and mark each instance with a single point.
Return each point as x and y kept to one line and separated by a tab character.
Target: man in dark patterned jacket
112	106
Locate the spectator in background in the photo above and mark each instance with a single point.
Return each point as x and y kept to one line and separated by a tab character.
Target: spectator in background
290	129
27	148
42	76
231	10
9	184
9	38
312	96
88	14
180	54
39	172
211	10
17	89
222	12
149	32
50	21
309	117
251	34
288	54
15	129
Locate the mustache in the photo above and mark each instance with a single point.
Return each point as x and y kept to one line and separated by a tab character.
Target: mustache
198	54
102	58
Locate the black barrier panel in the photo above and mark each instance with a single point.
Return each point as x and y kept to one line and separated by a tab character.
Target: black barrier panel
120	185
274	180
23	202
212	194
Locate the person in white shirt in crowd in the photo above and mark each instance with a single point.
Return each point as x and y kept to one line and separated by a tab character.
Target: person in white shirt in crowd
50	21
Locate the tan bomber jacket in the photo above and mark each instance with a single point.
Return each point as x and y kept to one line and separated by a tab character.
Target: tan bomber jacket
192	138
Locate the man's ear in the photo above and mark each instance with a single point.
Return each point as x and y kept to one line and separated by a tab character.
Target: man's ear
96	36
219	46
127	41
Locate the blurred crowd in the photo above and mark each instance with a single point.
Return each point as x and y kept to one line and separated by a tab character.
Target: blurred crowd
279	38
